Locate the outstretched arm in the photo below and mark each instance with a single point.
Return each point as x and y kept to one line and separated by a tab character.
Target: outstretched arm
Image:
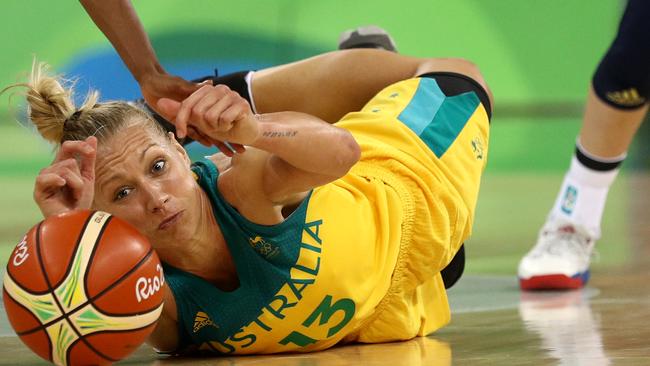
290	153
120	23
164	337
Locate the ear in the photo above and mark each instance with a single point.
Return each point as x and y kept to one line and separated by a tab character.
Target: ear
179	148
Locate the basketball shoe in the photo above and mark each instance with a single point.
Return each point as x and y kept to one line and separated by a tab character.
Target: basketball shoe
559	260
369	36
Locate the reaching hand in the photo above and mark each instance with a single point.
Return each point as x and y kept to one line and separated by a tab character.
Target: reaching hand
69	183
212	115
162	85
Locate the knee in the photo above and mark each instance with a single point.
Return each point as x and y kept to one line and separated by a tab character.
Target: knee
472	70
622	80
469	68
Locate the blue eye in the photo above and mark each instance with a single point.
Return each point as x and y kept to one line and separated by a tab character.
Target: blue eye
158	166
122	193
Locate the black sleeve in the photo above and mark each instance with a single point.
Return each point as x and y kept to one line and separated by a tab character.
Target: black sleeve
236	82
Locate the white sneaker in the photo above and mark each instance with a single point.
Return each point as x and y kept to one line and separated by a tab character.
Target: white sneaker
560	259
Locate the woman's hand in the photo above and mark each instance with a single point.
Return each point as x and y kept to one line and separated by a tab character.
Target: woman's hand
159	85
69	183
212	115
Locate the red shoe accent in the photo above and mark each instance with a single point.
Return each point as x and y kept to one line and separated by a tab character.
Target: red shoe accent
551	282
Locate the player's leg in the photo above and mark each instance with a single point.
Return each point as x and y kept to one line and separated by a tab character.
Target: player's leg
616	105
375	37
456	85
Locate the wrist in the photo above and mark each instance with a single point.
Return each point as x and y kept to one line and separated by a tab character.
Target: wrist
270	133
257	140
146	72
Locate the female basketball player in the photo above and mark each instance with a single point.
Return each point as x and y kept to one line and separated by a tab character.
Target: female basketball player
317	233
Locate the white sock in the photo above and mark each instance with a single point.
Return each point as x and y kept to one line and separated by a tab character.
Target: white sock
582	197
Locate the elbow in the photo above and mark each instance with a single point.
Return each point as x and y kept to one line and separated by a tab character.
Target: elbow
349	154
354	151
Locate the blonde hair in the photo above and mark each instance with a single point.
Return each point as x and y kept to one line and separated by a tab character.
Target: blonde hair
51	109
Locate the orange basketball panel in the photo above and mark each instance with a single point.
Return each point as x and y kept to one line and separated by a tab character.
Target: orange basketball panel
59	237
118	345
118	251
80	354
39	342
137	293
24	267
21	319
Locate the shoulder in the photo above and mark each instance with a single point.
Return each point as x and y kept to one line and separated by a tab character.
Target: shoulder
241	183
221	161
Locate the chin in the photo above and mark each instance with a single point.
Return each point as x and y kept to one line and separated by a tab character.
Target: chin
173	238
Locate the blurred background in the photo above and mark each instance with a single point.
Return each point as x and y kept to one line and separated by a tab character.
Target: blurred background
538	57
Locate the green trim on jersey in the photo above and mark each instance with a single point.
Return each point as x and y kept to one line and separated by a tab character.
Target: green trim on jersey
263	256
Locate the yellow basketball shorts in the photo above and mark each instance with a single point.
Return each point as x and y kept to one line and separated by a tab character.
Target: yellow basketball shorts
426	138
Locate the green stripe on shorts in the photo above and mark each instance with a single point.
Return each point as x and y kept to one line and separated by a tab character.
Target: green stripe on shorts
436	118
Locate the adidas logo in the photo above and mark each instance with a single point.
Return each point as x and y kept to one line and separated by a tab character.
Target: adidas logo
629	97
201	320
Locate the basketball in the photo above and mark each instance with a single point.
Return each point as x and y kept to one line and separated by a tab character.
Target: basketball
83	288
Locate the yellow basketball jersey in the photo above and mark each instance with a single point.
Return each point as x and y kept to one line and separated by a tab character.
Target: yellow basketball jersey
371	244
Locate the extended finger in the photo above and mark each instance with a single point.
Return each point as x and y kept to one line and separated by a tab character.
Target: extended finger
70	165
234	112
72	149
185	110
67	167
74	183
71	172
213	115
198	111
46	186
61	166
88	159
47	181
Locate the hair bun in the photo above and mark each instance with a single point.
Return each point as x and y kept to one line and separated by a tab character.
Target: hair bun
50	104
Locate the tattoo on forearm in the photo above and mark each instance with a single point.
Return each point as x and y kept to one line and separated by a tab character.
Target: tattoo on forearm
279	133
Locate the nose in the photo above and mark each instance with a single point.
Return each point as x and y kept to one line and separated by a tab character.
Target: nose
156	198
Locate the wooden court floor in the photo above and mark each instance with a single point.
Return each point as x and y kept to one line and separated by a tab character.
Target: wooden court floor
493	324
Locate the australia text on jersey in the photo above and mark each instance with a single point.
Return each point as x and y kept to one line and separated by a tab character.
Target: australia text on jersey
289	296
